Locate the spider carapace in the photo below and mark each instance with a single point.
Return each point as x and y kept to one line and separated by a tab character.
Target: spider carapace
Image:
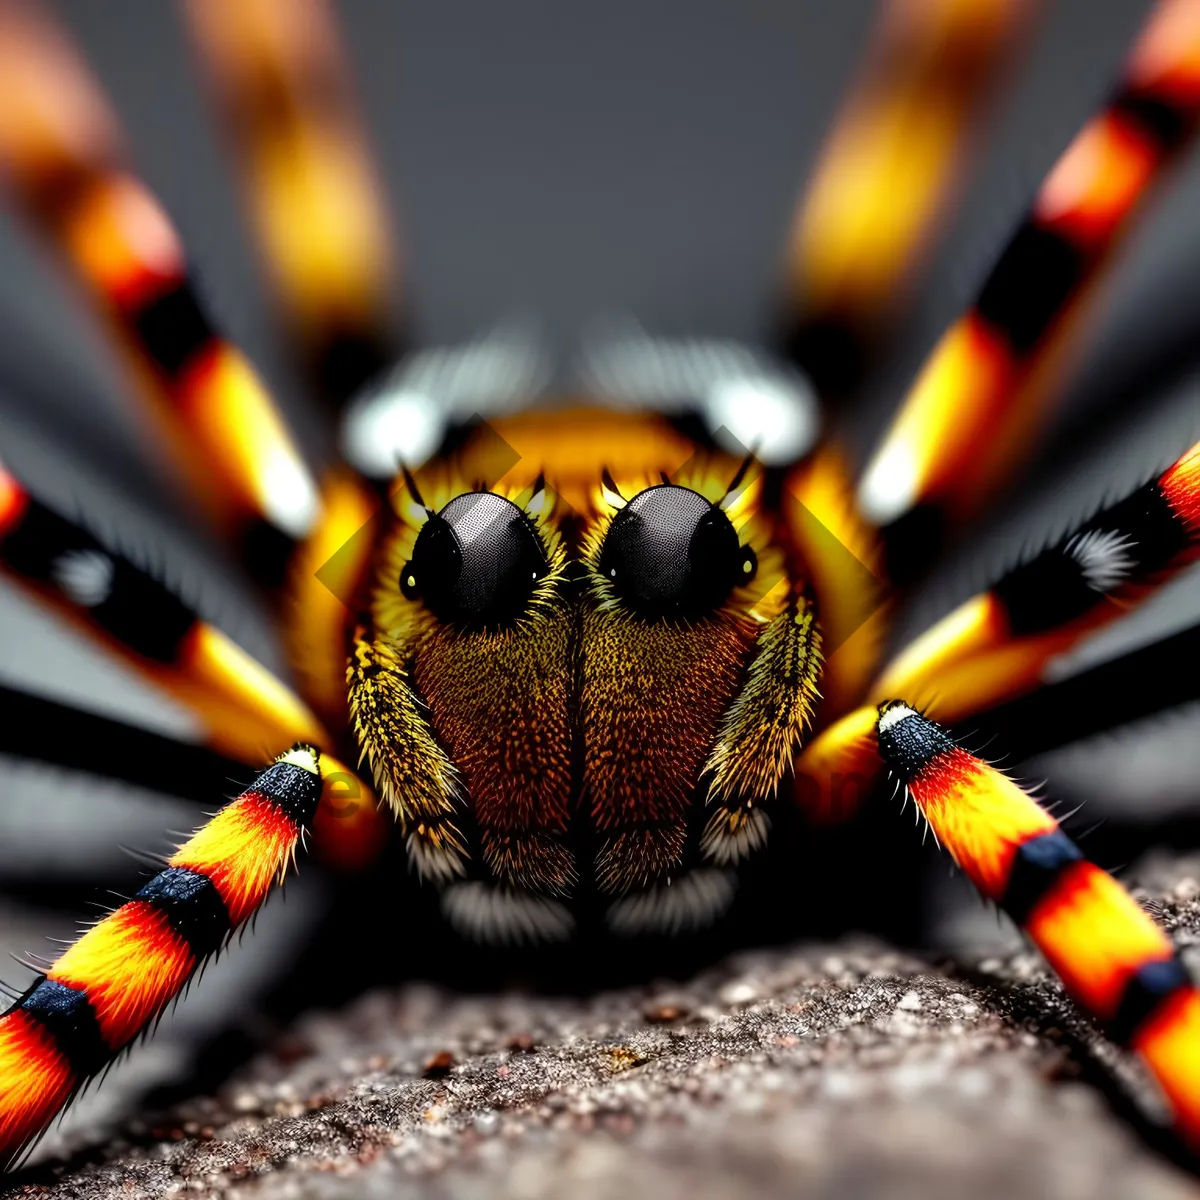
577	651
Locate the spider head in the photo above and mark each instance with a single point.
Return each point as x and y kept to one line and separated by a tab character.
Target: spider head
604	679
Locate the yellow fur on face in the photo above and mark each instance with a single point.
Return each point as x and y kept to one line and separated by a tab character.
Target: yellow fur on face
581	722
412	772
761	732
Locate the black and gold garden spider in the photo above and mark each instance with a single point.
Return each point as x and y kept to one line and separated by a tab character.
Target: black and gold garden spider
578	646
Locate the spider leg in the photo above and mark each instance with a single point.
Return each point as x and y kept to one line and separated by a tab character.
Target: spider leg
68	169
886	175
822	517
246	711
1113	959
843	564
38	729
988	381
323	590
278	74
996	645
1102	698
115	982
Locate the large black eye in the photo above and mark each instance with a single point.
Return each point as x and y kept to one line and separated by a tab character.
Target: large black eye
475	562
671	553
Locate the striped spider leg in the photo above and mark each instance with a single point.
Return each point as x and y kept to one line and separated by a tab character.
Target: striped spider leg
979	395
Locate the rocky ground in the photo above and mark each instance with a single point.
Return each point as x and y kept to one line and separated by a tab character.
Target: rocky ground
840	1070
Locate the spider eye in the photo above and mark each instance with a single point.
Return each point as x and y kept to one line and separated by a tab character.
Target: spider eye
670	552
476	562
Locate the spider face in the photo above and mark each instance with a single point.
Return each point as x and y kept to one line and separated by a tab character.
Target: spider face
593	658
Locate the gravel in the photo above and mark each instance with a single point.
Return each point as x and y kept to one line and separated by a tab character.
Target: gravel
849	1069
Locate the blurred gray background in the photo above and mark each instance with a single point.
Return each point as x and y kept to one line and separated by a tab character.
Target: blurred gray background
576	160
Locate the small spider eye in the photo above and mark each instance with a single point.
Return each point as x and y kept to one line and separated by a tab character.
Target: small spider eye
476	562
670	552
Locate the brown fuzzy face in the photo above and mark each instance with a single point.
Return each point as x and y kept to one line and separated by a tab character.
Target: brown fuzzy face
583	678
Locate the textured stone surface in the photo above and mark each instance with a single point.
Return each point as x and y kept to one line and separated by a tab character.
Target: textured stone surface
825	1071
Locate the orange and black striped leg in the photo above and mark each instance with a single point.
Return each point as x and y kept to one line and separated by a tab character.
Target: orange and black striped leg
317	206
246	711
243	708
119	977
996	644
886	174
63	154
1112	958
983	391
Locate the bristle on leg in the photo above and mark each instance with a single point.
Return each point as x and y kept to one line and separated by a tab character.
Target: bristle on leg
1114	961
118	978
997	644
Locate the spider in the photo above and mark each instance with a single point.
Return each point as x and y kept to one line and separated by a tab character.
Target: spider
577	650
